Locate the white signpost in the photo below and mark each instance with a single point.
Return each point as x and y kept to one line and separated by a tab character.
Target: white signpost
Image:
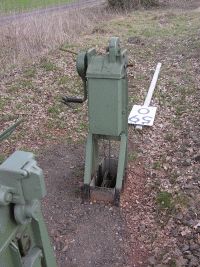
145	115
141	115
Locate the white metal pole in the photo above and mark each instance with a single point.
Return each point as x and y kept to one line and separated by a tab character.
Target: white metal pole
151	90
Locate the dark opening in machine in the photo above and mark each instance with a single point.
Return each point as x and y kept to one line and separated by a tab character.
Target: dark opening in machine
102	186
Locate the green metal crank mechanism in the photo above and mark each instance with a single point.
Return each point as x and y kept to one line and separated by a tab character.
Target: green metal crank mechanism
81	66
106	84
24	240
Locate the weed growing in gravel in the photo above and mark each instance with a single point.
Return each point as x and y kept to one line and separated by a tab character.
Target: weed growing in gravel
172	263
134	98
47	65
170	137
20	84
157	165
13	88
164	200
19	106
176	123
82	126
133	156
63	80
180	109
26	84
30	72
2	103
50	123
54	111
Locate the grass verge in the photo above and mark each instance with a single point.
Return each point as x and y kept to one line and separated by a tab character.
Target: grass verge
23	5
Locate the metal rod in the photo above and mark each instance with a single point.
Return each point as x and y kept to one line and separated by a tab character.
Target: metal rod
68	51
9	130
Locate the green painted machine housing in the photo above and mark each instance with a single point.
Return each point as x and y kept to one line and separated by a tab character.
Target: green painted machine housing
106	83
108	93
24	240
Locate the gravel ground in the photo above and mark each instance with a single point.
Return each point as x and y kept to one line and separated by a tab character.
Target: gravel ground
84	235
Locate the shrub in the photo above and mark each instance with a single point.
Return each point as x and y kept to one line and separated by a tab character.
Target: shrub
131	3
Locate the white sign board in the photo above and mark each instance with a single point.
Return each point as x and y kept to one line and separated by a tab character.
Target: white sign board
142	115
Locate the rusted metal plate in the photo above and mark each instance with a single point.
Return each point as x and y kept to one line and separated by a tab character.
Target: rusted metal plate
102	194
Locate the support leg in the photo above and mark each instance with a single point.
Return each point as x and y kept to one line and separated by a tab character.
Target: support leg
88	160
122	161
121	168
95	154
91	162
39	227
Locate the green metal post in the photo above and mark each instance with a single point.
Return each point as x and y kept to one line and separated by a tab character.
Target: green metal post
9	130
122	161
89	159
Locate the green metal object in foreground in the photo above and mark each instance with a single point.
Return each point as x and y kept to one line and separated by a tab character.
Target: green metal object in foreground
24	240
106	84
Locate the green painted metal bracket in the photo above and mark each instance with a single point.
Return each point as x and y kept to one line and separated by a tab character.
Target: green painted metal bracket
89	159
24	240
121	161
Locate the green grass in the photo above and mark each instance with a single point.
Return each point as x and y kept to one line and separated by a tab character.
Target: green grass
47	65
159	26
133	156
19	5
2	103
164	200
54	110
157	165
30	72
63	80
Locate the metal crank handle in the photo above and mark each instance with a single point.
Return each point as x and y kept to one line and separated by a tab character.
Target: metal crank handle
66	99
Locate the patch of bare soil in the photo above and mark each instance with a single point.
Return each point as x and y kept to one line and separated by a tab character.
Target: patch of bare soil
136	205
84	235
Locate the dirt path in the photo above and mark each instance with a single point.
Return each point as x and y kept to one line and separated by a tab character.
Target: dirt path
84	235
76	5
